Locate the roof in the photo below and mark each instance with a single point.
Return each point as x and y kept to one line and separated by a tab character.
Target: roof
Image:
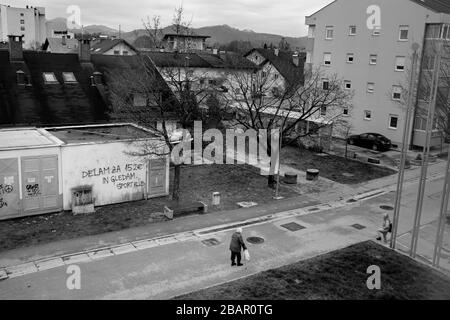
199	60
105	45
25	138
441	6
56	45
283	63
184	36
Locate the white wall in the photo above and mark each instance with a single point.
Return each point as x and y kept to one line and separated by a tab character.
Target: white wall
121	47
104	167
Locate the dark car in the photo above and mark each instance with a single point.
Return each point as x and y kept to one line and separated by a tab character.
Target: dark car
374	141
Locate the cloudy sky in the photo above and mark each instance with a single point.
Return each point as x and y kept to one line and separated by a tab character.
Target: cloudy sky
284	17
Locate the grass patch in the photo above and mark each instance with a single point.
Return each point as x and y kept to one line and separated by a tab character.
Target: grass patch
333	167
236	183
337	275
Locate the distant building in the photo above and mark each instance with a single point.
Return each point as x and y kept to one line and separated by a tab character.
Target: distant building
374	62
60	45
117	47
183	42
28	22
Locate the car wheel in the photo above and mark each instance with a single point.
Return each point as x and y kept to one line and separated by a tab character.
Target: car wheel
375	147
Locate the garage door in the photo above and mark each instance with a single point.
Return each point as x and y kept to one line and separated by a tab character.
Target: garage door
40	184
9	188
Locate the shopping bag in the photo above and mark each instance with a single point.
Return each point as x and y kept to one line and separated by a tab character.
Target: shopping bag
246	255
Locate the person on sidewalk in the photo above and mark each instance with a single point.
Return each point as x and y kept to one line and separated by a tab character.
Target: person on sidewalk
386	227
236	244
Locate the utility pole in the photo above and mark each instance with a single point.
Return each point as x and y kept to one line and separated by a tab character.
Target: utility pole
426	153
405	143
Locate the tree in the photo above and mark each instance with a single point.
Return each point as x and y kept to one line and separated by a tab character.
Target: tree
299	109
153	28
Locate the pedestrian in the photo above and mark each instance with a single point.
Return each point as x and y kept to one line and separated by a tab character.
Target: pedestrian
236	245
386	227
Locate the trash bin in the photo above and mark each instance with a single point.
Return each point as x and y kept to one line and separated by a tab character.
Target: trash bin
312	174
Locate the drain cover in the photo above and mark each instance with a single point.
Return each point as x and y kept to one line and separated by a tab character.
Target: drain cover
388	208
211	242
358	226
293	226
255	240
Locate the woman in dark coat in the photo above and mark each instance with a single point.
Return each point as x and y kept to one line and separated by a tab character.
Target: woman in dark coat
236	244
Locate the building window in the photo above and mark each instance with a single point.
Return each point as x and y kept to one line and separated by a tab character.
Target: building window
345	111
116	52
311	31
352	31
396	92
347	84
125	53
49	77
403	33
373	59
367	115
400	63
22	28
327	59
325	84
376	32
350	57
433	31
69	77
393	121
329	33
22	21
323	111
370	87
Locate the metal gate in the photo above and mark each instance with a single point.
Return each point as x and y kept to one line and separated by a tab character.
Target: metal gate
157	177
40	192
9	188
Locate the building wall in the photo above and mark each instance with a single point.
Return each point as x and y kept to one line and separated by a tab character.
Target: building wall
114	175
121	47
34	24
276	79
343	14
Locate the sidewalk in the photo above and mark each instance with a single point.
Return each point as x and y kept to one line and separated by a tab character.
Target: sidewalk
184	224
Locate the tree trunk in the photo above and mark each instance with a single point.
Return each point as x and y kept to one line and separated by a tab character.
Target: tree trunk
271	181
176	183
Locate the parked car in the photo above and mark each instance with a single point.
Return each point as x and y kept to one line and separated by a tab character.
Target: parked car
374	141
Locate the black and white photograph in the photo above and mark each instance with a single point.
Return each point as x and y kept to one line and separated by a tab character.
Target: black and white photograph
225	156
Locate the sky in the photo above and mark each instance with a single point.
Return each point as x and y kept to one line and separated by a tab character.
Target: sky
285	17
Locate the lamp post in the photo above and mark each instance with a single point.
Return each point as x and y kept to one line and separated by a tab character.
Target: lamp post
405	143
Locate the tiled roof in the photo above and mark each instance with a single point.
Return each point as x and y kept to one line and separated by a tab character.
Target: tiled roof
199	60
441	6
185	36
55	45
104	45
284	63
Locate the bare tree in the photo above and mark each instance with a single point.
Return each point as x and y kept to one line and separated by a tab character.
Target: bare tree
153	28
298	109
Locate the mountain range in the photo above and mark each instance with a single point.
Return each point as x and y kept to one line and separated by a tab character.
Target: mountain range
220	34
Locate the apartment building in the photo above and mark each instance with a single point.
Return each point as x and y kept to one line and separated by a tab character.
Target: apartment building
28	22
368	44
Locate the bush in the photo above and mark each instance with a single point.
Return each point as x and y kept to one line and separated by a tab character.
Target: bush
316	148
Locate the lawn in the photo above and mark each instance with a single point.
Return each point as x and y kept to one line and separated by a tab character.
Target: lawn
236	183
337	275
333	167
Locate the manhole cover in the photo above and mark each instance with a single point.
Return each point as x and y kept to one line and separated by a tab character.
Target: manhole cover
293	226
211	242
388	208
358	226
255	240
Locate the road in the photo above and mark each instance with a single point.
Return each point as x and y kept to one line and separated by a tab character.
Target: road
172	269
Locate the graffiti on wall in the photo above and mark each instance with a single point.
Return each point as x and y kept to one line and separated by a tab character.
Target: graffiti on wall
6	188
122	177
33	190
3	203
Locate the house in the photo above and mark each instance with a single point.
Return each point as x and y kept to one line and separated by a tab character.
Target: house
284	68
369	45
60	45
184	42
117	47
46	170
28	22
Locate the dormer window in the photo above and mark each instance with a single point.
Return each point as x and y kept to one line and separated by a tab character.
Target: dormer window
69	77
49	78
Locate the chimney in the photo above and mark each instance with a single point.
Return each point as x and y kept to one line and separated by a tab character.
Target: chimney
63	40
84	50
215	51
296	59
276	51
15	48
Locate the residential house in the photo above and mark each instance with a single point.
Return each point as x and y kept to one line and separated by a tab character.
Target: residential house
60	45
184	42
369	45
117	47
